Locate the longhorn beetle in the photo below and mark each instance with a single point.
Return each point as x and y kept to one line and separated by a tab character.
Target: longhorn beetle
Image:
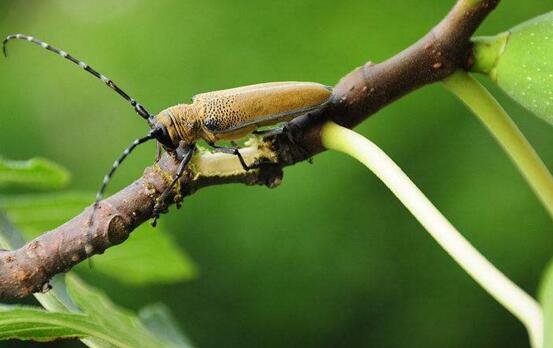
221	115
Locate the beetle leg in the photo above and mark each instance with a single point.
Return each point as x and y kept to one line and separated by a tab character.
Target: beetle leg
291	133
184	153
232	151
267	132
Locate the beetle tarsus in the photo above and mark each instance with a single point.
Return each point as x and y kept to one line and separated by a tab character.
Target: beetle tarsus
183	153
154	221
233	151
268	132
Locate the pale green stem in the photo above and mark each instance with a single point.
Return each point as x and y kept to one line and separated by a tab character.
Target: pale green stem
498	122
514	299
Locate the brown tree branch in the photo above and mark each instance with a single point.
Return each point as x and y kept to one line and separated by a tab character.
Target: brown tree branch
358	95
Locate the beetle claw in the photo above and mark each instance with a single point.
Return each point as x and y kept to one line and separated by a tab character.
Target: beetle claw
159	208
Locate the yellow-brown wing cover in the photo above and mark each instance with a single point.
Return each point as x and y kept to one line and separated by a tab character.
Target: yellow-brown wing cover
231	110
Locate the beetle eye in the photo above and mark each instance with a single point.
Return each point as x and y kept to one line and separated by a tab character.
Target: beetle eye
161	134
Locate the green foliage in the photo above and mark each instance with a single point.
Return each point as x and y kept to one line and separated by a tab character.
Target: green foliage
117	322
33	173
39	325
101	321
519	61
36	173
159	320
57	299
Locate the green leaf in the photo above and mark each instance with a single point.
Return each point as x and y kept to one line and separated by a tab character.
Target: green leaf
148	256
57	299
158	319
117	321
37	173
101	323
546	299
519	61
26	323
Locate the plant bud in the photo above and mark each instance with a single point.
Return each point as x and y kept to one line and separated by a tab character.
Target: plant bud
520	61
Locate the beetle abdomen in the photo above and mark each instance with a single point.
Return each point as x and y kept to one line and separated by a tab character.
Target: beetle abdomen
231	111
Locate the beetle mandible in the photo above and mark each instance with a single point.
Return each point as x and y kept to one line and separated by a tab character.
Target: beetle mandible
228	114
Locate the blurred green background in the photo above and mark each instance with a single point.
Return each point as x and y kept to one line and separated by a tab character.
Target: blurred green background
330	258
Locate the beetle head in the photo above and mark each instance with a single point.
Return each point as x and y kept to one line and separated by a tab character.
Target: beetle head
164	130
161	134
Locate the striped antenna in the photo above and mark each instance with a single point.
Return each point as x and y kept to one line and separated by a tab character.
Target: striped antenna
107	178
140	110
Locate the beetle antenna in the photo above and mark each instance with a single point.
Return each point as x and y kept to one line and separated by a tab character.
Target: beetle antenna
107	178
140	110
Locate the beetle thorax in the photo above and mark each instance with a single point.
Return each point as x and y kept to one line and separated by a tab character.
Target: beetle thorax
181	122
